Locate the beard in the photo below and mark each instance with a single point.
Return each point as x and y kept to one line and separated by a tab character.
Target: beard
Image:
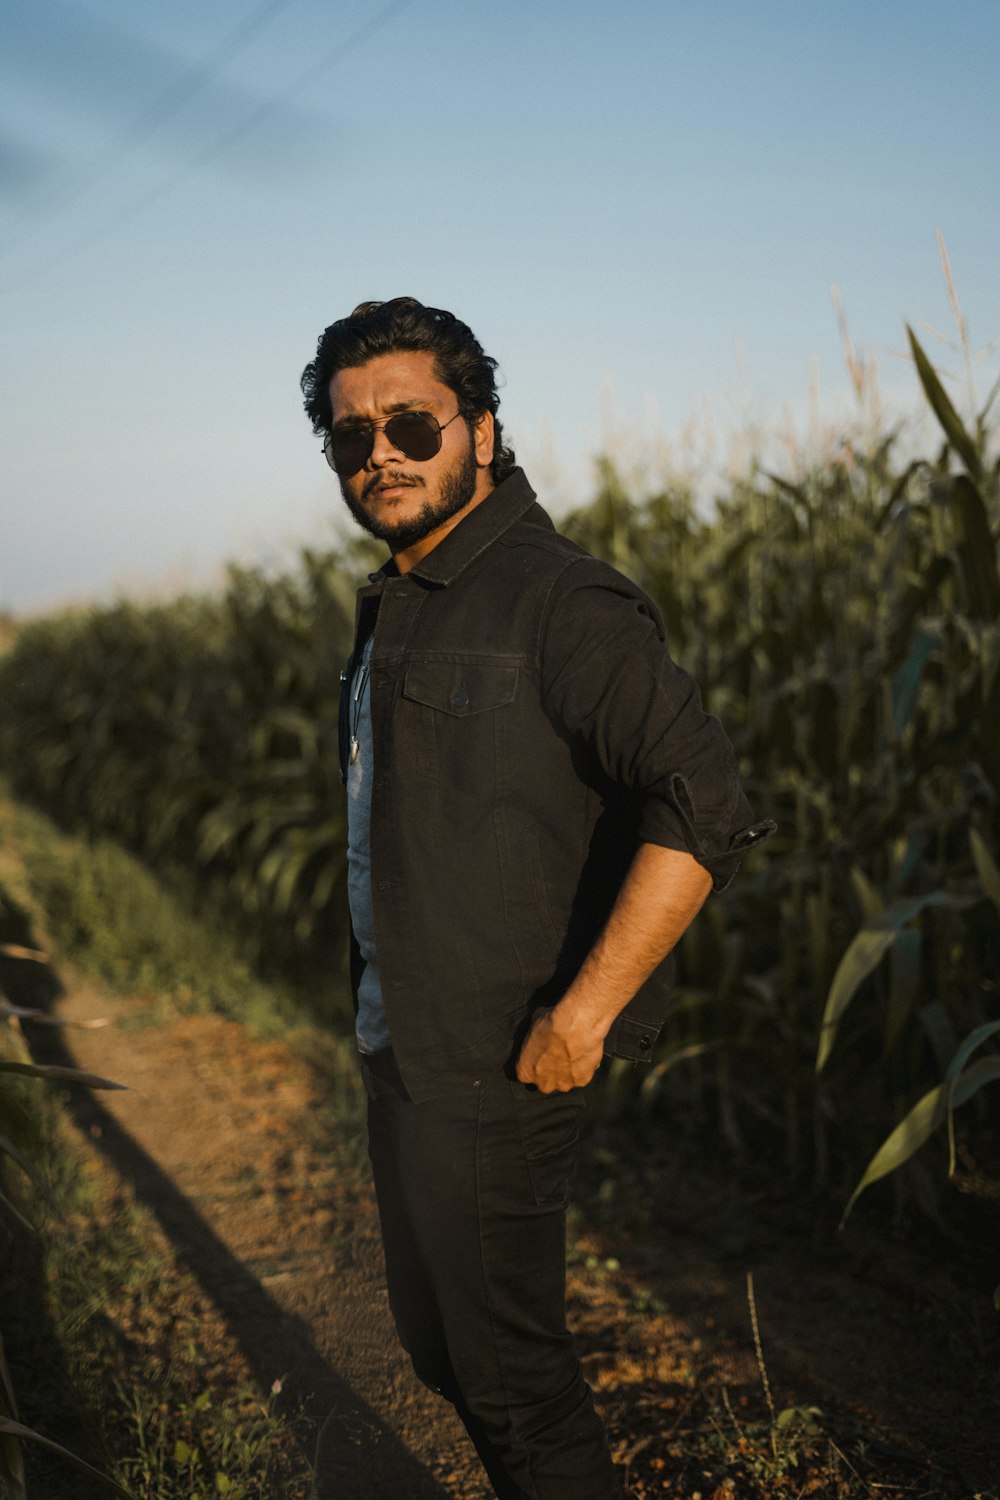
455	490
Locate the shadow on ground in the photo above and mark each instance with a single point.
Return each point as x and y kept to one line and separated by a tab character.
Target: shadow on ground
358	1456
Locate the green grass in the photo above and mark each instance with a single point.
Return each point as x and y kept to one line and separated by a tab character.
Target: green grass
124	928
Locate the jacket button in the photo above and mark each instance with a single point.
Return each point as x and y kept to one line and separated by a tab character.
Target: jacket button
460	699
645	1042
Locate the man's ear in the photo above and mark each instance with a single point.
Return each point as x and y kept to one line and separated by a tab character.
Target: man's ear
482	436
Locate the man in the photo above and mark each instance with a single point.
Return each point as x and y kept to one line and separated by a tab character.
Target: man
537	808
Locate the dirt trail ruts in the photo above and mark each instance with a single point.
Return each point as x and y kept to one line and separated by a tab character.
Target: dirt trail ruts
212	1136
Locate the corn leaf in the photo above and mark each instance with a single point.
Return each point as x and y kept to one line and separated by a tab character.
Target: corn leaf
651	1083
951	422
957	1082
19	1216
986	1070
900	912
986	866
326	880
59	1074
793	491
42	1017
976	550
972	1041
869	899
904	982
8	1405
914	600
9	1428
906	682
862	957
939	1030
12	1485
909	1135
906	855
896	491
12	1469
928	1113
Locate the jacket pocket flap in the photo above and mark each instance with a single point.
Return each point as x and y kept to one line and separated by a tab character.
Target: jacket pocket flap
460	688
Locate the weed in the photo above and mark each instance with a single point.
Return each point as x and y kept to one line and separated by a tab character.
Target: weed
200	1448
761	1366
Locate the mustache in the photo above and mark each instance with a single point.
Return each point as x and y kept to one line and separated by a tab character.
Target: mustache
385	479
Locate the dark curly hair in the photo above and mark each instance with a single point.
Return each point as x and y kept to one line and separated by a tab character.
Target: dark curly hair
405	325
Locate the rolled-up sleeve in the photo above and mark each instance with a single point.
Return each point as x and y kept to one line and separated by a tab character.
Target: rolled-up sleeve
609	681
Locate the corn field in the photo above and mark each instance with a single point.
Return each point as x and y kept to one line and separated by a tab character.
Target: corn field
841	1001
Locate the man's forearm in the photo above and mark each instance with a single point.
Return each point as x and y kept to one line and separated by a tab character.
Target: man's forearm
662	894
660	897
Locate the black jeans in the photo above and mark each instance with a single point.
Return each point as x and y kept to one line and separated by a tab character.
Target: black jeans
472	1191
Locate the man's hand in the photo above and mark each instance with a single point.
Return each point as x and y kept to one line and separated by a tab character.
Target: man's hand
558	1053
661	893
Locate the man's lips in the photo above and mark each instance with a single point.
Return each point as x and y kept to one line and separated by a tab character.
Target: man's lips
386	488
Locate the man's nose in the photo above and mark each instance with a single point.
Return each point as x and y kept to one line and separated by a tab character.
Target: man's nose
383	450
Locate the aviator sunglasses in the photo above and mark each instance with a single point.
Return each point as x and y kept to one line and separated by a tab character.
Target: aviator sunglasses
416	434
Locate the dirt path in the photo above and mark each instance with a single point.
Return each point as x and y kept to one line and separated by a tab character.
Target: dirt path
214	1136
222	1137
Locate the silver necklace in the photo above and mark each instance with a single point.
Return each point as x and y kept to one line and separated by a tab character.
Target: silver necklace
359	688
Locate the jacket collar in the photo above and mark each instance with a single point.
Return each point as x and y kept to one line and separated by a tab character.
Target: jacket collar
512	498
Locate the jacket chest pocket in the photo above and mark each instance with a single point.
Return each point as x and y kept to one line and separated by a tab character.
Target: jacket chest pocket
460	689
457	724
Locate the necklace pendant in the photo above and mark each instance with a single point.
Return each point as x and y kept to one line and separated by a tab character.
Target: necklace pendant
355	749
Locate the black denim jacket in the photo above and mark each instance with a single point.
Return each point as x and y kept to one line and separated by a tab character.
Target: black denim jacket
529	731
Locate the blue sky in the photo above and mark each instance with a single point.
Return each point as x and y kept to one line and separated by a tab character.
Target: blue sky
648	199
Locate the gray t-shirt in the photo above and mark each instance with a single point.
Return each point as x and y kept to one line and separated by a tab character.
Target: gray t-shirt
371	1028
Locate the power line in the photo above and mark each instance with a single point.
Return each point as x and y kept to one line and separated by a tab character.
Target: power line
216	148
149	120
